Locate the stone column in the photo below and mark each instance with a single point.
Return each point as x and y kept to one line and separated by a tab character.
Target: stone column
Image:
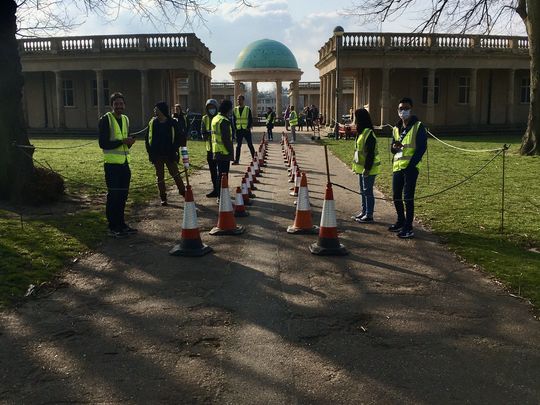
510	99
144	96
237	90
279	95
385	95
473	91
333	85
60	115
328	99
358	85
100	93
430	108
254	94
322	88
294	94
192	91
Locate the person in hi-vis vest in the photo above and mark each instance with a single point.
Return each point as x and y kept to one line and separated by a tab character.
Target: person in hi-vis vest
206	131
222	146
115	142
408	146
293	121
242	122
164	138
366	163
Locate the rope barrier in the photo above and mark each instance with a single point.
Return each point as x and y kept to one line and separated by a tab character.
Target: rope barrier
103	188
463	149
70	147
433	194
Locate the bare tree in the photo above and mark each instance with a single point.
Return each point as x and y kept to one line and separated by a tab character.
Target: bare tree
38	17
480	16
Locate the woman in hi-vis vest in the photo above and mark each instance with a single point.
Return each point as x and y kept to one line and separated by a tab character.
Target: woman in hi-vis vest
366	163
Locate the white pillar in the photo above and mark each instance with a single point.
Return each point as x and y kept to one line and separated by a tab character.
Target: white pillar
100	93
510	99
385	102
430	109
294	94
279	95
237	90
333	86
60	116
472	97
144	96
254	94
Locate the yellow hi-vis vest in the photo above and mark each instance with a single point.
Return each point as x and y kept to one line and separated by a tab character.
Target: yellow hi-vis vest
206	124
402	158
151	130
119	155
217	136
241	119
360	153
293	118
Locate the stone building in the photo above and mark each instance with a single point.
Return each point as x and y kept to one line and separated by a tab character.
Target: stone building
455	81
68	80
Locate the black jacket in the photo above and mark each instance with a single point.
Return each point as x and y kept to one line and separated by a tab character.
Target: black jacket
163	145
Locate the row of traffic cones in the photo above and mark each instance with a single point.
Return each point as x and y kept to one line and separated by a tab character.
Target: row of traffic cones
190	242
328	241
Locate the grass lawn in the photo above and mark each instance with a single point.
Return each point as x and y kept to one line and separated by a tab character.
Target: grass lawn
468	217
34	251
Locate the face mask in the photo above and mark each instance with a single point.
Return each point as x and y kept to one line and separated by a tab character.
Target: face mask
212	111
404	114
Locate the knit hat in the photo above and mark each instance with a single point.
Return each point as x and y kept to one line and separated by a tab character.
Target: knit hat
164	108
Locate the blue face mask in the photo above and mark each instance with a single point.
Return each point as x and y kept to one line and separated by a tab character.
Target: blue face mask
212	111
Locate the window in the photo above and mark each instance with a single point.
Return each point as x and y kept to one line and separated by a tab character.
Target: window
525	90
106	92
425	81
464	90
67	86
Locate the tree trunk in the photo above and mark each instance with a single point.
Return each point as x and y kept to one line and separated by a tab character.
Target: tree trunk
16	166
530	144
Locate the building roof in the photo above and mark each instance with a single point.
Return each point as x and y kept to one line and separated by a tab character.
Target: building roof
266	54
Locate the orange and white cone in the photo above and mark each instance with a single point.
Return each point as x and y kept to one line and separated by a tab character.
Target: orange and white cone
190	242
251	195
328	243
251	168
258	170
249	179
245	192
293	169
303	223
297	178
239	207
226	224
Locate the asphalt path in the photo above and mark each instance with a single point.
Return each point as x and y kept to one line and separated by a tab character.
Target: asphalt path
263	321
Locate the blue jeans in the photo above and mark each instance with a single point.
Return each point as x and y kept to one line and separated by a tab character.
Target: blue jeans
403	187
366	188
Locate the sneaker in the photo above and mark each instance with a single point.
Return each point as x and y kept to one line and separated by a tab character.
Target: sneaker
364	219
406	234
164	203
358	216
129	230
212	194
396	227
117	234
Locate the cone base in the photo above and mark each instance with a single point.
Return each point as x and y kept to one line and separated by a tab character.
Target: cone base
182	250
251	195
241	214
339	250
303	231
235	231
293	194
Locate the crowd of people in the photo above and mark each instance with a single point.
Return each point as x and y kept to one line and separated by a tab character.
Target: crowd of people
166	145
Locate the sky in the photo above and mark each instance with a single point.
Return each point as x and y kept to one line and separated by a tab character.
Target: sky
302	25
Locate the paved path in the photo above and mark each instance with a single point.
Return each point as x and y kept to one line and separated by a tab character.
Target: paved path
262	321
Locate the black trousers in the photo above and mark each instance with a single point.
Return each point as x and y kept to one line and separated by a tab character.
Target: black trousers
117	178
223	167
212	167
240	135
269	130
403	187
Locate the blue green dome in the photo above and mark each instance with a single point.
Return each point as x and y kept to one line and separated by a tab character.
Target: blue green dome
266	54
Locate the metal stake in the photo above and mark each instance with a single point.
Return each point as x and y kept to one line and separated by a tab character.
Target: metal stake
327	165
505	148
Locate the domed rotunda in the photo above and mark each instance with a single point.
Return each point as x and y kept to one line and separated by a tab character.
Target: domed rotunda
266	60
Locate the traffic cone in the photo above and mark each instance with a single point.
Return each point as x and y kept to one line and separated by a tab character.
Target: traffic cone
226	224
257	167
251	169
294	167
328	243
303	223
190	242
239	207
250	180
297	177
251	195
245	192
